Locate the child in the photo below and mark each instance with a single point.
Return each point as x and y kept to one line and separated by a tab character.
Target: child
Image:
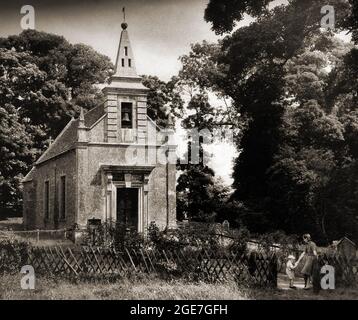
290	270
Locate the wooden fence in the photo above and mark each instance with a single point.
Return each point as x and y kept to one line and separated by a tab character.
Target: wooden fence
206	265
36	235
346	270
209	265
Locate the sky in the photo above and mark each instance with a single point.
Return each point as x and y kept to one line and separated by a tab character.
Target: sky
160	32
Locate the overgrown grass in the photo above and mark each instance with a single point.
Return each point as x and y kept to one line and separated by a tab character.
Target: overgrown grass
48	289
123	289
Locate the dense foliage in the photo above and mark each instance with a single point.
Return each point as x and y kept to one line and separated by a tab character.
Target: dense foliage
294	96
13	256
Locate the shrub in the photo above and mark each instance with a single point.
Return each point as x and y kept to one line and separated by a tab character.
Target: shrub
113	235
13	256
196	236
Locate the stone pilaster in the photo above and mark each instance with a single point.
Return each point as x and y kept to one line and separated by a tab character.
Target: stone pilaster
142	121
111	109
82	135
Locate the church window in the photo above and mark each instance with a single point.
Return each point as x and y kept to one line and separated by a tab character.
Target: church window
122	62
129	63
127	115
47	200
126	51
63	197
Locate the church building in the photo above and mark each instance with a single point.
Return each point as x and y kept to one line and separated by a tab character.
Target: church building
104	165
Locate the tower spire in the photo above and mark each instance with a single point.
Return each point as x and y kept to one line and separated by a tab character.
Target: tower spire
125	66
125	76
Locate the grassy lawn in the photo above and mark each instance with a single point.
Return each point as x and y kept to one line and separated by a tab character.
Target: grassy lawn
153	289
124	289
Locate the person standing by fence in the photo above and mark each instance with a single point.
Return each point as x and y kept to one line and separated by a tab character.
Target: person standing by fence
290	270
310	254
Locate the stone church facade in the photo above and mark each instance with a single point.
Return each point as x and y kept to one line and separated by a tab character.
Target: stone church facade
104	165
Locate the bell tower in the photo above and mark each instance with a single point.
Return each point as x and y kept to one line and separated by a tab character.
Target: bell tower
125	98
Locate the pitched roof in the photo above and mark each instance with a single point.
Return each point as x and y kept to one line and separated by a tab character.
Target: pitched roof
29	177
68	137
62	143
345	239
93	115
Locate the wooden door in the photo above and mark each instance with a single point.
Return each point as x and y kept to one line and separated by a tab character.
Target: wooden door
127	207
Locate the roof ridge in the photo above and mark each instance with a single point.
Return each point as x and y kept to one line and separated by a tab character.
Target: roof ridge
28	177
92	109
53	144
155	124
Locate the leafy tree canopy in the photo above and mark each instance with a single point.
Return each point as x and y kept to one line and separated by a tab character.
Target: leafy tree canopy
62	80
294	92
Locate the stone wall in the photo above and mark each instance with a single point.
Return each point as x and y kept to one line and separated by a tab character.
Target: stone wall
29	205
34	193
92	187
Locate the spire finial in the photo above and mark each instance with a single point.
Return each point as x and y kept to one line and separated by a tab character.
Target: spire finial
82	115
124	24
82	130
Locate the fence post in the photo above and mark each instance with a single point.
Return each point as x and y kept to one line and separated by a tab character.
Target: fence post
273	270
316	275
37	235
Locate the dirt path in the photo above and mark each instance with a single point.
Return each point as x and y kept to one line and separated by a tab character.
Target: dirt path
283	282
283	292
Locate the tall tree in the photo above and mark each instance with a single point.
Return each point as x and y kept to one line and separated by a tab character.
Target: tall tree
164	100
66	81
297	129
15	155
200	194
196	179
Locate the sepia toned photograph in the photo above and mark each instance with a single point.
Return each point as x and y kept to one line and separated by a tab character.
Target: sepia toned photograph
201	152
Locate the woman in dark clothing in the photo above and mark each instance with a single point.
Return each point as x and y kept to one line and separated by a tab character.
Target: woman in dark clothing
310	255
